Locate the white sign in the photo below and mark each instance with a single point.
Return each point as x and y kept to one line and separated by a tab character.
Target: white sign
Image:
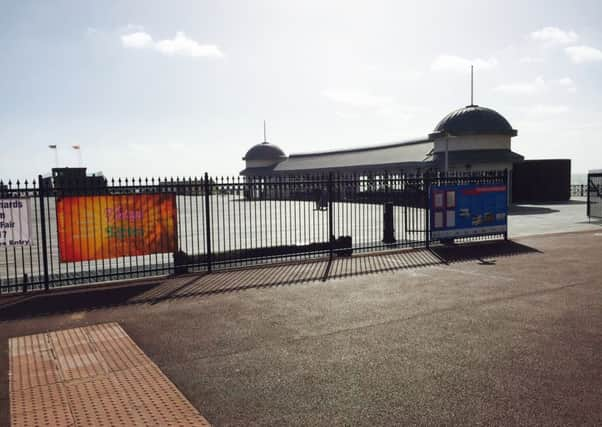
14	222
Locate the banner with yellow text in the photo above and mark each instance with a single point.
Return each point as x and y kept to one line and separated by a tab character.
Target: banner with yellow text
99	227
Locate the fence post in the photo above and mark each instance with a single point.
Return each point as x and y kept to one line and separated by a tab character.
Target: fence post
330	218
508	201
43	230
588	211
427	211
207	222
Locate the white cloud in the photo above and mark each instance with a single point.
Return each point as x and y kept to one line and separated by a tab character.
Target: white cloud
184	46
137	40
457	63
554	35
531	60
541	109
583	54
180	45
522	88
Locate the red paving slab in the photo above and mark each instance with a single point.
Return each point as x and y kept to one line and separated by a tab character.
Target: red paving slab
91	376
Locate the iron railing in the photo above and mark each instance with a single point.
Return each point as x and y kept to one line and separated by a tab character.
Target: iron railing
201	224
594	194
578	190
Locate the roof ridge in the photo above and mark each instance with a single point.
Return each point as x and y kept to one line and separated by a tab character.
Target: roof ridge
365	148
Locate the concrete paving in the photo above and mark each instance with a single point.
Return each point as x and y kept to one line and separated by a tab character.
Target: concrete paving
548	218
495	334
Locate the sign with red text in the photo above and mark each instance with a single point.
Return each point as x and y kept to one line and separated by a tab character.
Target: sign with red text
99	227
468	210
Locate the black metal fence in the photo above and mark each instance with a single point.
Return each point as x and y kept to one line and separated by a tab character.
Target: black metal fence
578	190
202	224
594	194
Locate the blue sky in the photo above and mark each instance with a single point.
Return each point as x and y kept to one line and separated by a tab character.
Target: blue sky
182	87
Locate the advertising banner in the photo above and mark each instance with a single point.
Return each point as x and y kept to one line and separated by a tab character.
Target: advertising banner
15	222
468	210
99	227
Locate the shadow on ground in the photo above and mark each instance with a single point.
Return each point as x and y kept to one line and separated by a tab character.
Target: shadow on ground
530	210
592	221
564	202
66	301
536	208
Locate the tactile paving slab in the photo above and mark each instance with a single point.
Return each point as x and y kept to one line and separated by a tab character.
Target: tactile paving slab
91	376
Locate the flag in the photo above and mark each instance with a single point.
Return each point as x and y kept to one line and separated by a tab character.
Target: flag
52	146
76	147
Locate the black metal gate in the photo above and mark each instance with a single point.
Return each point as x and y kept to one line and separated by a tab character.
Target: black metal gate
594	194
217	223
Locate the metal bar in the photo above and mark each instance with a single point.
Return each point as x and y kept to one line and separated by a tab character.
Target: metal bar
588	197
207	223
43	229
37	228
427	213
507	201
330	217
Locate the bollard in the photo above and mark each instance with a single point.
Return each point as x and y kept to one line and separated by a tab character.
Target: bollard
388	229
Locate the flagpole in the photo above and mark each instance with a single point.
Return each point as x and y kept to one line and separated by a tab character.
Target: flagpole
78	148
56	154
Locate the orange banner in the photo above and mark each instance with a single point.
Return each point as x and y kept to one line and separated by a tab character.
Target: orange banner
98	227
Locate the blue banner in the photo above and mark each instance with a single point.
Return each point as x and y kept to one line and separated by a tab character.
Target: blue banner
468	210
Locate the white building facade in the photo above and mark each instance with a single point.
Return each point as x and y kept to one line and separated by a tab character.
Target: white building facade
470	139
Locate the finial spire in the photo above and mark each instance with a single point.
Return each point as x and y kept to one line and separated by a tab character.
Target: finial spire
265	139
471	85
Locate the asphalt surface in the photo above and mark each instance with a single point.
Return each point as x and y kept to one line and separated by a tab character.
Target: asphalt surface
499	334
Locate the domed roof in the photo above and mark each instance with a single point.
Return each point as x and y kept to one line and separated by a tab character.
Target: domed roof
474	120
265	151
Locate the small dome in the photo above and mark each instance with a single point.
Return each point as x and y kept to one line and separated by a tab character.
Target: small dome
265	151
474	120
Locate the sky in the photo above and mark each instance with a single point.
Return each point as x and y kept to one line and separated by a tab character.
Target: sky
179	88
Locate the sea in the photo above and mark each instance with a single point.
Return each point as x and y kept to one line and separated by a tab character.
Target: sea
578	178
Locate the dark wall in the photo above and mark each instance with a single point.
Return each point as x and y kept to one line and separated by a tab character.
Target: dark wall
541	181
